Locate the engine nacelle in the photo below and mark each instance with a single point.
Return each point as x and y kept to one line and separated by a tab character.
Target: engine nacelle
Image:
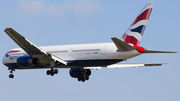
76	72
26	61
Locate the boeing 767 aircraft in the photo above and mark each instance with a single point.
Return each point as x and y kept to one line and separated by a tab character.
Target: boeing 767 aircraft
83	57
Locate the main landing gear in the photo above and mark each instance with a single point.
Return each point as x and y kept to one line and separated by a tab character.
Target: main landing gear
83	78
11	74
52	72
80	73
85	73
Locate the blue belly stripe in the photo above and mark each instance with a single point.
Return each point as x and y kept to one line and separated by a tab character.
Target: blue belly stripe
71	63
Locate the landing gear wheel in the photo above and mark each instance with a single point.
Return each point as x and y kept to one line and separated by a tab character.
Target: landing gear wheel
55	71
11	73
80	74
52	73
48	72
87	78
83	80
79	79
11	76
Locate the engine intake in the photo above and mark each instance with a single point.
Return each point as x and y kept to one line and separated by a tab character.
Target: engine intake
26	61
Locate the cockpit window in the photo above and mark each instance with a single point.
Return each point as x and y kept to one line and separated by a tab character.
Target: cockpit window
7	54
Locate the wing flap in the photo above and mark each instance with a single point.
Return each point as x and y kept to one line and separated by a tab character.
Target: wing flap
97	68
58	59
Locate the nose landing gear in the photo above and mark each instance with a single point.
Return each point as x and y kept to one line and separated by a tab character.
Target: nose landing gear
11	74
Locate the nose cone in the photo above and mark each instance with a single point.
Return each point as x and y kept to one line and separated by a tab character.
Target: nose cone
5	59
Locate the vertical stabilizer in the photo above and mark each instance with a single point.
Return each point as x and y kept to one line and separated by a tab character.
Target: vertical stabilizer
135	32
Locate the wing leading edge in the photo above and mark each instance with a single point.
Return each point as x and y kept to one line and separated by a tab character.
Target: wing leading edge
33	50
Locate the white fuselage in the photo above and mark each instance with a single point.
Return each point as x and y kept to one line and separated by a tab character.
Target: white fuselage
81	55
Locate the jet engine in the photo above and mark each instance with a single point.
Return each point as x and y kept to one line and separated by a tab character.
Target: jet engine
26	61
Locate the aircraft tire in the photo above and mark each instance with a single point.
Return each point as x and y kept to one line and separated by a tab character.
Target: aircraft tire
48	72
79	79
52	73
83	80
87	78
11	76
55	71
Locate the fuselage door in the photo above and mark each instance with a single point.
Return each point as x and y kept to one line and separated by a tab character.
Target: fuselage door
70	52
103	51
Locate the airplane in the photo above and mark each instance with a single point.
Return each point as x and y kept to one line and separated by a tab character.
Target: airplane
81	58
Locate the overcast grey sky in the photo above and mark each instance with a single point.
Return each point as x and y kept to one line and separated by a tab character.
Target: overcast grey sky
62	22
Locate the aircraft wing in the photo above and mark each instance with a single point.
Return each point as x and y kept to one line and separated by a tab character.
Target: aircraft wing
30	48
127	65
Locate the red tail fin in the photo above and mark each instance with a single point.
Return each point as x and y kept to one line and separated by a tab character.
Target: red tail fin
135	32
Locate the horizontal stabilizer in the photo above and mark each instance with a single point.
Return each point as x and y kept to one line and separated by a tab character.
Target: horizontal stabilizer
134	65
122	46
127	65
151	51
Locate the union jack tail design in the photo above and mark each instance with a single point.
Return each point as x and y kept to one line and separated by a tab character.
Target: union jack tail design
135	32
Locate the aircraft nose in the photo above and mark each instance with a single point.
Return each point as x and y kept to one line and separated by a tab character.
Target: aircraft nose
4	60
